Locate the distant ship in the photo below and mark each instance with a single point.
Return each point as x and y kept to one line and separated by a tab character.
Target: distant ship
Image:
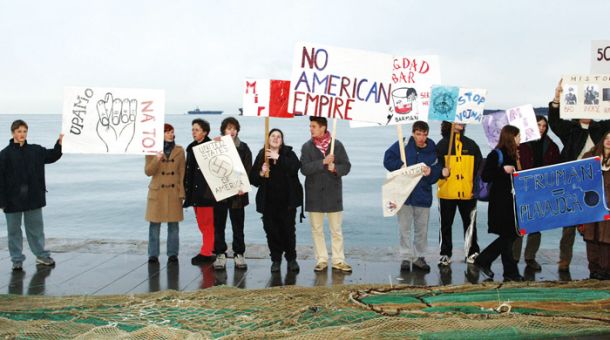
203	112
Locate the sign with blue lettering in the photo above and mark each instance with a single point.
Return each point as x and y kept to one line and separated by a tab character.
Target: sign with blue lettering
560	195
455	104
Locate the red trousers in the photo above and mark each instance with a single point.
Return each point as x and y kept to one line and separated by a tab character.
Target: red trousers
205	221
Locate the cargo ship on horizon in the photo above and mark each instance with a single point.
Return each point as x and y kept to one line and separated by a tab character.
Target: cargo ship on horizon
203	112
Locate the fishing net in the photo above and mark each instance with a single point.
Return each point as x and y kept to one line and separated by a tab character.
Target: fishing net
488	310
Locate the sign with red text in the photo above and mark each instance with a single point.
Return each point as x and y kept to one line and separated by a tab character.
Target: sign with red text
600	57
113	120
222	168
343	83
266	98
585	96
457	104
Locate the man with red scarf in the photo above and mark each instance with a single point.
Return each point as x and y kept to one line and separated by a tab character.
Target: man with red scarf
324	193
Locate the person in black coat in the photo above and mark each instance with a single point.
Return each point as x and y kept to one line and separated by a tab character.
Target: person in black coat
278	196
23	193
501	214
199	195
577	136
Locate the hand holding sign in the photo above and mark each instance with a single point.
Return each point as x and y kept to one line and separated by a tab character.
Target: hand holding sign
116	125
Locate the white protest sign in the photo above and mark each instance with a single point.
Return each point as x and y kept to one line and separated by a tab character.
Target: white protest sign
457	104
585	96
343	83
398	186
113	120
524	118
600	56
222	168
266	98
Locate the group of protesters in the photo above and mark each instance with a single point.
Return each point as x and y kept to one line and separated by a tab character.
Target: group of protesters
177	183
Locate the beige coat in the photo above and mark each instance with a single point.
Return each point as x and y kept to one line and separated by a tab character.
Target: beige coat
166	188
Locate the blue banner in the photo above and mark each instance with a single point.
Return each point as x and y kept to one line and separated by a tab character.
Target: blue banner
559	195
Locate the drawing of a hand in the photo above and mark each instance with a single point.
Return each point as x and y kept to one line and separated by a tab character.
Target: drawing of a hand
116	125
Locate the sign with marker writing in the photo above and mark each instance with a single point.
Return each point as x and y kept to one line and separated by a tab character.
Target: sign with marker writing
266	98
524	117
398	186
455	104
585	96
600	57
560	195
113	120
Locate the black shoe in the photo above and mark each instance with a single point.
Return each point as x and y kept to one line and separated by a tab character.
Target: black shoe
514	278
172	259
533	264
405	266
201	259
421	264
293	266
276	266
153	259
597	276
485	270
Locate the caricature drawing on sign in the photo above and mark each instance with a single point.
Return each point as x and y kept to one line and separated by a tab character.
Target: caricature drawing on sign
443	104
570	97
117	122
592	95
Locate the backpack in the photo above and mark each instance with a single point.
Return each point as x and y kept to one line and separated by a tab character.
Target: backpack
482	188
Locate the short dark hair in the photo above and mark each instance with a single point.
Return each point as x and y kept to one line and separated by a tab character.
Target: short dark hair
203	124
226	122
17	124
421	126
320	120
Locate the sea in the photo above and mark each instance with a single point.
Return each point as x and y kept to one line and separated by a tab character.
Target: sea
103	197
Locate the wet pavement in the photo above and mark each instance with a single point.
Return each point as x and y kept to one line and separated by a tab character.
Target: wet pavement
84	273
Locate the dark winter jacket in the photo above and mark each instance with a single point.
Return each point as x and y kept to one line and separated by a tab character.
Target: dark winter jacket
323	189
500	213
550	153
572	135
22	179
422	194
196	188
282	188
240	201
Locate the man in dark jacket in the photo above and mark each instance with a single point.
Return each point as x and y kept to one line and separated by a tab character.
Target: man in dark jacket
416	210
23	191
578	137
324	192
232	206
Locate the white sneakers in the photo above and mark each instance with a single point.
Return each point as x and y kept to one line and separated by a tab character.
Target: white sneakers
444	260
470	259
221	262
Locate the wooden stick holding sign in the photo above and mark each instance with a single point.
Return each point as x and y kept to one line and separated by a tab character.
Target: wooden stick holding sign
266	148
333	136
451	140
401	144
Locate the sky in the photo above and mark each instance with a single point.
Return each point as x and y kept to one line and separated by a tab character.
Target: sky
200	52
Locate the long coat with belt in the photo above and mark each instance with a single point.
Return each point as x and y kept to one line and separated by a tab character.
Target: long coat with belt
166	188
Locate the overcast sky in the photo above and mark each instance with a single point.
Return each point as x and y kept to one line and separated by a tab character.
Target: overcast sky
200	51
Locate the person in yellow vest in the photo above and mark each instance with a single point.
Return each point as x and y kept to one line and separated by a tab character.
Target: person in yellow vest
455	189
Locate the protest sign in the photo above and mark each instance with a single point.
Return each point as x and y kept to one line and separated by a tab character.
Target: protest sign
524	118
492	125
343	83
455	104
398	186
600	57
266	98
222	168
113	120
559	195
585	96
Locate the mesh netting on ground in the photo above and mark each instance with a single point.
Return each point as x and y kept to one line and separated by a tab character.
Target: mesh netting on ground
489	310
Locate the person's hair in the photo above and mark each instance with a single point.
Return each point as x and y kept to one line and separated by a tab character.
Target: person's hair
541	117
281	134
421	126
320	120
226	122
411	91
17	124
446	129
507	140
203	124
167	127
598	150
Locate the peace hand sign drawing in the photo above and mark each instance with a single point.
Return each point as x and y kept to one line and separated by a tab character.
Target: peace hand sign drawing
116	125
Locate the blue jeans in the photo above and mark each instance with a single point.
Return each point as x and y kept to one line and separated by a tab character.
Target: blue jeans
173	239
34	231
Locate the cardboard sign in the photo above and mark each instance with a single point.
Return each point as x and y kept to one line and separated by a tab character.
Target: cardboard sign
222	168
398	186
585	96
559	195
459	105
600	57
523	117
266	98
343	83
113	120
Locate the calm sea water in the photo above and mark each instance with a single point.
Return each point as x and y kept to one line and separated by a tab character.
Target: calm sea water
104	197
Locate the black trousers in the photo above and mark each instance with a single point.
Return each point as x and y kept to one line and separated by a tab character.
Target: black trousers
221	210
502	246
448	208
279	225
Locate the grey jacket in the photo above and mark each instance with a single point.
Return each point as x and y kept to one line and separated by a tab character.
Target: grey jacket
323	189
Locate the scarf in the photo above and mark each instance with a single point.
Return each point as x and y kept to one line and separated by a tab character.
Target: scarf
168	147
322	142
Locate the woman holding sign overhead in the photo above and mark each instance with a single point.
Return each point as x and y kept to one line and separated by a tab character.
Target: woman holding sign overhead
499	167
